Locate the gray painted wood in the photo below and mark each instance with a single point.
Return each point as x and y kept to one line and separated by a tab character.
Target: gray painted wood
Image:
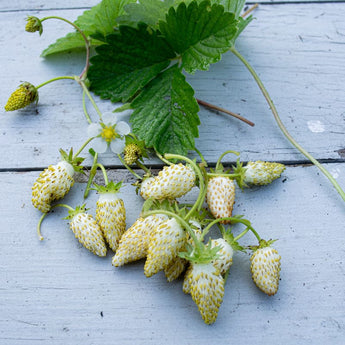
57	292
30	5
297	50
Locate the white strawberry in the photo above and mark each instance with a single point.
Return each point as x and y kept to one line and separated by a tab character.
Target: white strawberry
134	242
55	182
175	268
262	173
111	217
224	255
52	184
265	268
206	289
87	231
220	196
172	182
166	240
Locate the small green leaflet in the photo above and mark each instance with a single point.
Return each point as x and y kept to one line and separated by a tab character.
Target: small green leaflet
145	11
200	33
165	113
100	19
129	60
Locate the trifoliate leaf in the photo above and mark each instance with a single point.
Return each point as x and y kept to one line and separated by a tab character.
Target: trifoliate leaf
199	32
165	113
99	19
149	12
129	60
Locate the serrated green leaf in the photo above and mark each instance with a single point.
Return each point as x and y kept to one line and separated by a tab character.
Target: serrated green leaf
99	19
129	60
72	41
199	32
234	6
242	24
145	11
165	113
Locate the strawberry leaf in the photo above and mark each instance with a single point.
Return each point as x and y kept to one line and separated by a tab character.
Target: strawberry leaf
129	60
234	6
99	19
199	32
165	113
145	11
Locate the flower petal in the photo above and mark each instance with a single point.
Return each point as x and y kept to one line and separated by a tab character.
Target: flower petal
93	130
123	128
99	145
117	146
109	118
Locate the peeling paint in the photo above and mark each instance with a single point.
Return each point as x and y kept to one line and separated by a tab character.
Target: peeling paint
316	126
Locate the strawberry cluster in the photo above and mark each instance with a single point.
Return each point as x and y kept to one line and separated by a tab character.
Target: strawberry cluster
170	236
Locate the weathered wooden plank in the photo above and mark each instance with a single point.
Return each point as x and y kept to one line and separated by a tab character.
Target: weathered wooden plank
56	292
298	51
30	5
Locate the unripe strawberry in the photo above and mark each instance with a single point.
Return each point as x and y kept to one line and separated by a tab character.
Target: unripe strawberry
225	254
166	240
220	196
175	268
134	242
186	280
87	231
33	24
22	97
111	217
52	184
207	290
265	268
262	173
172	182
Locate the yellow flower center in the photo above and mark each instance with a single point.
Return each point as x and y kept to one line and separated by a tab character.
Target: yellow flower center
108	133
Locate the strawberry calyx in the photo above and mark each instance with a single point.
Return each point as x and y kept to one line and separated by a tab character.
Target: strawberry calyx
74	161
200	253
111	188
72	212
262	244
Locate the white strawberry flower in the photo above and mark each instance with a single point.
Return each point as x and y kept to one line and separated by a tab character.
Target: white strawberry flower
109	132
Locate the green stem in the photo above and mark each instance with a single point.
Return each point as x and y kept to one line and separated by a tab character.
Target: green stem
282	127
83	147
129	168
231	176
85	110
55	79
93	171
179	219
224	154
201	157
104	172
44	215
86	90
142	166
163	159
87	42
233	220
197	170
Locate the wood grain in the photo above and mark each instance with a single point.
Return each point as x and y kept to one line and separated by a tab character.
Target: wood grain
56	291
296	49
